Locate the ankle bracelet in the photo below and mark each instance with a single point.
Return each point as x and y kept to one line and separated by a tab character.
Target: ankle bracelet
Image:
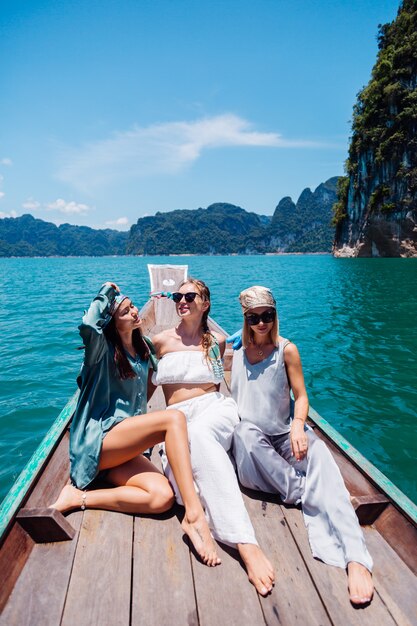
83	500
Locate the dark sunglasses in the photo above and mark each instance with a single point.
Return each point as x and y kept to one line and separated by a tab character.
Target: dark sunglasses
188	297
266	317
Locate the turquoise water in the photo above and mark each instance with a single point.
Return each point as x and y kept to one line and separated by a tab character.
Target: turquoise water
354	321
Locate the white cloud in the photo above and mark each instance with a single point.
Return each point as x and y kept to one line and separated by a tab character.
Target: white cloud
11	214
121	221
31	204
2	194
5	161
161	149
69	208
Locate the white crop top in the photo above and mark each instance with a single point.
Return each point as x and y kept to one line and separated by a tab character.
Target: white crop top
185	366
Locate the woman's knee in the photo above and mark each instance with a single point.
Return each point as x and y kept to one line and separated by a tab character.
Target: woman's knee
246	432
176	418
161	497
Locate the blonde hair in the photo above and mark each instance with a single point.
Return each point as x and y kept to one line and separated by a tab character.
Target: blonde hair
204	291
252	298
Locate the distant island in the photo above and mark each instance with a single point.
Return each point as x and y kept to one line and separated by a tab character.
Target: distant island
221	228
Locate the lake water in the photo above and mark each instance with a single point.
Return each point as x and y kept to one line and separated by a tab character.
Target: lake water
353	320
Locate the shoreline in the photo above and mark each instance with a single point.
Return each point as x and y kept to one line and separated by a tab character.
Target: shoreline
186	254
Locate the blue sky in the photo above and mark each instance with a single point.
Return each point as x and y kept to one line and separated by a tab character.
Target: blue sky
111	110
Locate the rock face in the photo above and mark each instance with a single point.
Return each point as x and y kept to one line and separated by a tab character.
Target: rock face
305	226
376	211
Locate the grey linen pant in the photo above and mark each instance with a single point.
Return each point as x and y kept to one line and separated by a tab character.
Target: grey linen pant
264	462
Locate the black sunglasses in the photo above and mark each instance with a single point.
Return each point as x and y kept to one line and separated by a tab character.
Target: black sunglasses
190	296
266	317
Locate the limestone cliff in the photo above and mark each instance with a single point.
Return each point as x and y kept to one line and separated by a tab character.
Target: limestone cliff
376	211
305	226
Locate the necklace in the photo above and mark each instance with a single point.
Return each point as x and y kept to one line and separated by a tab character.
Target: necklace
259	351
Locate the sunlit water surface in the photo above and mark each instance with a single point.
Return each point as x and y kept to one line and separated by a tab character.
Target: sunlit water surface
353	320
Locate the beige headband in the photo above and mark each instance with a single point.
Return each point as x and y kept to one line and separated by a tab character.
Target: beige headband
256	296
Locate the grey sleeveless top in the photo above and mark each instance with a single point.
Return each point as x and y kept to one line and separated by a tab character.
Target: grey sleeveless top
262	392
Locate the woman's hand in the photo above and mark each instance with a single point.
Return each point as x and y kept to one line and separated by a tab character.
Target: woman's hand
235	339
115	287
298	439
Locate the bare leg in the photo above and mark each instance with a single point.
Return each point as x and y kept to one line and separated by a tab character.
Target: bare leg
260	571
140	488
361	587
134	435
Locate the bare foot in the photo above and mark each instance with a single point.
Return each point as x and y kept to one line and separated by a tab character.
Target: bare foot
69	498
361	587
200	536
260	571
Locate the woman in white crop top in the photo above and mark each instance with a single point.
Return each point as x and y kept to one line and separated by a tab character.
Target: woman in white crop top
275	452
190	373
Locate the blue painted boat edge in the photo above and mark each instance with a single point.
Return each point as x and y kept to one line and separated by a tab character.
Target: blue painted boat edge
395	495
29	474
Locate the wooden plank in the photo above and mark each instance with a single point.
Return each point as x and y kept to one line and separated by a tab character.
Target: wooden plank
371	472
395	582
53	478
18	493
45	525
369	508
40	592
224	594
400	534
17	545
294	599
331	582
356	483
100	586
163	593
166	278
13	555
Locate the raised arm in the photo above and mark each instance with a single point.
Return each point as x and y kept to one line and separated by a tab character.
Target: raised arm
93	322
298	437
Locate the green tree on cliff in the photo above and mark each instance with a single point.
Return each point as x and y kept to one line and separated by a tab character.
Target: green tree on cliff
382	165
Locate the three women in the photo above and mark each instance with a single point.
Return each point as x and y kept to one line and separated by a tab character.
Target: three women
274	450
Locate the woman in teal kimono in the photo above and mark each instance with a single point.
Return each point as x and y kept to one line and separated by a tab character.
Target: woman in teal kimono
113	387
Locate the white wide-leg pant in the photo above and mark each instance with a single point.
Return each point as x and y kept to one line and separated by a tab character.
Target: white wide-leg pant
211	420
265	463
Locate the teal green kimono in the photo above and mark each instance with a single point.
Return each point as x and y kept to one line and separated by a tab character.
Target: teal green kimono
105	398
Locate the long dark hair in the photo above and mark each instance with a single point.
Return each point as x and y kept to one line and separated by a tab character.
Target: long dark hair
204	292
120	359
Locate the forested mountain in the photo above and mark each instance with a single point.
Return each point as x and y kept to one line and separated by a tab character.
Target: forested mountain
27	236
226	229
220	229
376	211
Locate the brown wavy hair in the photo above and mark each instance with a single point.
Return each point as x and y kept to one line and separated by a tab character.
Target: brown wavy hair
120	359
204	291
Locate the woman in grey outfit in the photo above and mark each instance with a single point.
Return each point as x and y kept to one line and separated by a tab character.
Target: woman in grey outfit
276	452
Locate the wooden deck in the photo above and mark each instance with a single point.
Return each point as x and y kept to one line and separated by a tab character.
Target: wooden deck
138	570
130	570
